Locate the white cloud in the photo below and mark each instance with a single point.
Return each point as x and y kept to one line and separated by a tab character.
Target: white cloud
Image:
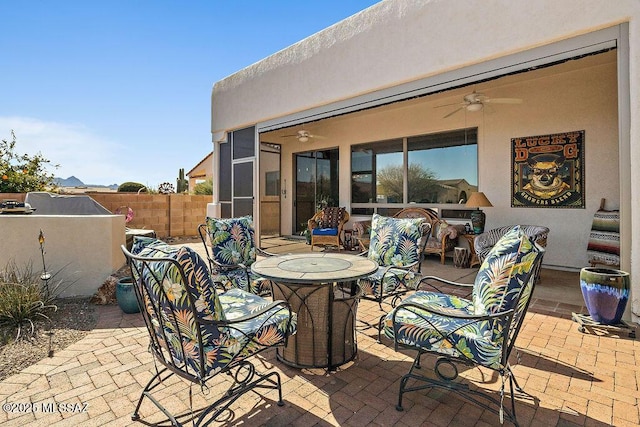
78	150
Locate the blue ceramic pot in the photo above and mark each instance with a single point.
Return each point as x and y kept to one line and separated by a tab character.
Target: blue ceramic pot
605	292
126	296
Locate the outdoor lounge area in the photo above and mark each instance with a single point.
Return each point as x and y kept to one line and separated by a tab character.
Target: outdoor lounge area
571	378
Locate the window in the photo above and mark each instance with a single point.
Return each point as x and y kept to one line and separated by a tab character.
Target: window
272	185
440	168
376	172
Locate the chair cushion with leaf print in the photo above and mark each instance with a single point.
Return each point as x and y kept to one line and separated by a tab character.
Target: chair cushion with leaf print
232	240
497	288
221	344
394	243
233	251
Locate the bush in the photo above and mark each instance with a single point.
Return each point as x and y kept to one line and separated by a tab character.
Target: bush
21	173
130	187
25	298
204	188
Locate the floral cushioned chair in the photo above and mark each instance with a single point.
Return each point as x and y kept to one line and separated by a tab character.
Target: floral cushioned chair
396	245
442	238
480	331
231	249
326	226
196	333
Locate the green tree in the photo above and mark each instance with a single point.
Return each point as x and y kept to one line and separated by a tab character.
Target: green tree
204	188
130	187
21	173
422	183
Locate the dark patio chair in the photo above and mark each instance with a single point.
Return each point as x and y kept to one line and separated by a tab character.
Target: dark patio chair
397	245
480	331
196	333
231	249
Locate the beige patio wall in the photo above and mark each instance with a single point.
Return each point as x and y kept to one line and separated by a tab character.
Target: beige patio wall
80	250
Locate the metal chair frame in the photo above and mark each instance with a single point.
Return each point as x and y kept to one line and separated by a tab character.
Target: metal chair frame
413	268
445	380
215	266
244	374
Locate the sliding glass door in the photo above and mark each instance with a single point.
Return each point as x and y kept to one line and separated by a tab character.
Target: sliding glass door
316	184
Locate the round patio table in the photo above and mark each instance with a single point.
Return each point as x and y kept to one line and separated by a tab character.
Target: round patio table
321	289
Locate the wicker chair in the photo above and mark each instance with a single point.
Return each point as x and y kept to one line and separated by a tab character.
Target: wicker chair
197	334
480	331
326	227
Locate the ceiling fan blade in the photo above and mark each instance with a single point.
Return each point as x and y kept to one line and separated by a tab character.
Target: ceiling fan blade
449	105
317	137
503	101
453	112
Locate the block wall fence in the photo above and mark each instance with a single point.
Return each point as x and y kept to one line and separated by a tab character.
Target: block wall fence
169	215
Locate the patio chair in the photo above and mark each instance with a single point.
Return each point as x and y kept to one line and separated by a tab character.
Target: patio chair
230	247
396	245
196	333
326	227
480	331
442	238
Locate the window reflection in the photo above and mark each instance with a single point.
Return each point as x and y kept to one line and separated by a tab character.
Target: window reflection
374	172
441	168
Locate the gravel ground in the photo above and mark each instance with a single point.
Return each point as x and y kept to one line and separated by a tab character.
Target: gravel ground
70	323
74	318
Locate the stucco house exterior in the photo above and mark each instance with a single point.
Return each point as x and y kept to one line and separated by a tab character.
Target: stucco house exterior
201	172
453	92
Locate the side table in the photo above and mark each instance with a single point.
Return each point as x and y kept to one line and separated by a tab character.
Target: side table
473	261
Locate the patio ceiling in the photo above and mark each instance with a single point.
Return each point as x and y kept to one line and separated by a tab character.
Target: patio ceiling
325	128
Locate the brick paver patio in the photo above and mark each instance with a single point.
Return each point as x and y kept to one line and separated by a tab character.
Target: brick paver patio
573	378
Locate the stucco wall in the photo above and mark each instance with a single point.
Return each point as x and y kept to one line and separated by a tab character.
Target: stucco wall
396	41
553	102
80	250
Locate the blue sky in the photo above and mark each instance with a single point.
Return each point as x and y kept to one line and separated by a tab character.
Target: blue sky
116	91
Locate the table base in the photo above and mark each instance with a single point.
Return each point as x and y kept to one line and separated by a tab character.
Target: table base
326	325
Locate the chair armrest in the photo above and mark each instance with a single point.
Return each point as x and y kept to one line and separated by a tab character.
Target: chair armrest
251	316
451	313
427	279
406	268
264	253
228	266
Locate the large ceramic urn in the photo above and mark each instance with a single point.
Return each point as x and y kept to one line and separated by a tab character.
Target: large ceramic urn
605	292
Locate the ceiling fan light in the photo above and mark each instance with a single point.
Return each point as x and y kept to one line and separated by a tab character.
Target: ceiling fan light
474	106
303	138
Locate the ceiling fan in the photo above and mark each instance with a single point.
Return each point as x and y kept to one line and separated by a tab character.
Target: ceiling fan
475	102
304	136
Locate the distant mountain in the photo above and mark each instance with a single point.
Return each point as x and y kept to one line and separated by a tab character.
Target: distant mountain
72	181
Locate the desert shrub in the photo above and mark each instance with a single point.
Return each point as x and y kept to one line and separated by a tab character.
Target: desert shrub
130	187
25	298
204	188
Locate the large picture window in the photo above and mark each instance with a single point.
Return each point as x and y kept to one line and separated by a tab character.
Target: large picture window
439	168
